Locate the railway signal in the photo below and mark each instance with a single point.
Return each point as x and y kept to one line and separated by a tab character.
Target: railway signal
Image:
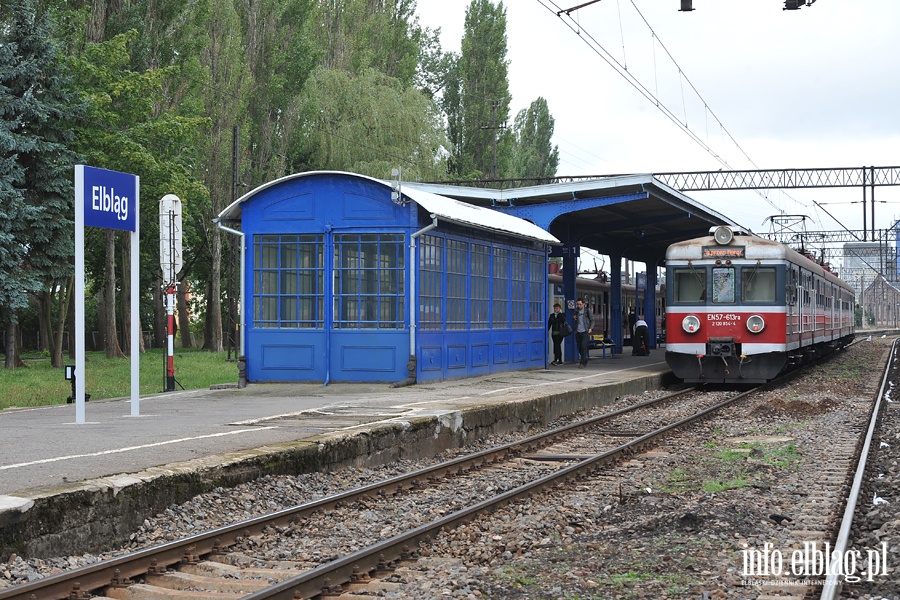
170	261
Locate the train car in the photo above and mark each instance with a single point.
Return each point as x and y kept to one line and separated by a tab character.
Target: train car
740	309
596	293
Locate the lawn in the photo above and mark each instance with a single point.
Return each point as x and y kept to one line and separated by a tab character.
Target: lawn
39	384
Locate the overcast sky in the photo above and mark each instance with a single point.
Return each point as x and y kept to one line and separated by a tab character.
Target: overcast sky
817	87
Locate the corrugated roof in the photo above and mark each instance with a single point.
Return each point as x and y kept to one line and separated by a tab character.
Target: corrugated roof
476	216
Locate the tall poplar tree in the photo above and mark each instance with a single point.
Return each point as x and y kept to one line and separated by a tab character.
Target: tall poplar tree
534	155
481	143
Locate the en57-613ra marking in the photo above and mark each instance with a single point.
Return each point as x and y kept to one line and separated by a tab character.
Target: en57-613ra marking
722	317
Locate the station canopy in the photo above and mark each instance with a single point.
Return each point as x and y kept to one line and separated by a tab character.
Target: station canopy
634	216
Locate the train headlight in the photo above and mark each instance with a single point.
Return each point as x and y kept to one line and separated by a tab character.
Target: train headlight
691	324
755	324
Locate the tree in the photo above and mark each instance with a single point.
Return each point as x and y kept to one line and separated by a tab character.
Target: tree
356	35
480	147
534	155
132	126
368	124
37	106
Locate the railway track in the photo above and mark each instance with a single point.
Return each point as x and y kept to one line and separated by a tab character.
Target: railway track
380	529
571	452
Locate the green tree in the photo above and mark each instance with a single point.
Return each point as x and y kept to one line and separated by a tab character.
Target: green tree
37	105
356	35
481	144
132	127
368	124
534	155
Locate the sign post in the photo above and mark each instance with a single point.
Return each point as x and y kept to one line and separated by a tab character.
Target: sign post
170	261
107	199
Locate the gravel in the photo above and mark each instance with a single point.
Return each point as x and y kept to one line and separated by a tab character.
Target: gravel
673	522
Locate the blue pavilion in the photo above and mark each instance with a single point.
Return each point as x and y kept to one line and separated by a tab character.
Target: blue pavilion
346	278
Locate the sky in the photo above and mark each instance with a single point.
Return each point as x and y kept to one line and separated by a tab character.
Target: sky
758	86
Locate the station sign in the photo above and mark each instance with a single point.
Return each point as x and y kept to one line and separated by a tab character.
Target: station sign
110	199
565	251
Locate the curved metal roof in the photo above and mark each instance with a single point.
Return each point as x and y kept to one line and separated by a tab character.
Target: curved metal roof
444	208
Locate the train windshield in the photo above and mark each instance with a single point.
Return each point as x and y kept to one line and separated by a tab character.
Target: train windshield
690	285
723	285
758	284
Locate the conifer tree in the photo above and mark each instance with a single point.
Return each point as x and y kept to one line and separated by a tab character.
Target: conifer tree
37	105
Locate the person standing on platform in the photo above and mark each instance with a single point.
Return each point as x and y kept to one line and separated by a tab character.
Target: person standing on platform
641	341
584	325
556	324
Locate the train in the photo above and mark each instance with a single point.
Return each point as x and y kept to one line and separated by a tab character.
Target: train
595	292
742	309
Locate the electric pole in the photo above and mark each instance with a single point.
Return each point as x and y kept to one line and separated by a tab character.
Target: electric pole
495	104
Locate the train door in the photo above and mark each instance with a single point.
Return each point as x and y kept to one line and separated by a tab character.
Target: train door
791	300
829	302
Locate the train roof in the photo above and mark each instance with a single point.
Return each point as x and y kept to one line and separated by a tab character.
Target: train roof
754	248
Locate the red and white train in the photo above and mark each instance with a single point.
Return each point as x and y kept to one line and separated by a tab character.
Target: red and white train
740	309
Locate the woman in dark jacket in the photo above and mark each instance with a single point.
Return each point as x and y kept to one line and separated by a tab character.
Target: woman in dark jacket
555	325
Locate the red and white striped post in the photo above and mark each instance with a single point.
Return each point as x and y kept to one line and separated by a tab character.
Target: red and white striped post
170	326
170	263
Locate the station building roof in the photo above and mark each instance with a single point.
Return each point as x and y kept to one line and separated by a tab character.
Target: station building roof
435	205
635	216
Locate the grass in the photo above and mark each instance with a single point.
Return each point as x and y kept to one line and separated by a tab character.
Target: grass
730	456
39	384
722	485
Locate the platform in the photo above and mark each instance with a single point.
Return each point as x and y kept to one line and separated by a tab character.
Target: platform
63	484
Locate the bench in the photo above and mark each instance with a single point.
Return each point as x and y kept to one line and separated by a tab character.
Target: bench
596	341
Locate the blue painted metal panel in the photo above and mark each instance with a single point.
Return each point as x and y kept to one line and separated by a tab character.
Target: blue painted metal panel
519	351
480	355
286	355
457	356
501	353
430	360
369	355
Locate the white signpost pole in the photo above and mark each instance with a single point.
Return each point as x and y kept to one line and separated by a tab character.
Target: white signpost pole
135	306
79	294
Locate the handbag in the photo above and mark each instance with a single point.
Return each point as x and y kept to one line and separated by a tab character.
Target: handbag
565	328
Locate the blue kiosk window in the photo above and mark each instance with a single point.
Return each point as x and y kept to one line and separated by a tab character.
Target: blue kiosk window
457	295
430	272
369	281
536	293
289	281
481	287
519	300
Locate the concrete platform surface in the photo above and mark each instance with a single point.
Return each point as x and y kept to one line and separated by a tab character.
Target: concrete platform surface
182	443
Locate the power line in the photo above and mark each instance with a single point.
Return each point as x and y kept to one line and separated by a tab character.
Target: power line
620	68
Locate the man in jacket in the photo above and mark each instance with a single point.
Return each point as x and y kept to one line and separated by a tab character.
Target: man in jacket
584	325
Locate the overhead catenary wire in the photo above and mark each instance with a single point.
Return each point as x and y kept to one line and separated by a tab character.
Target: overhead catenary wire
621	68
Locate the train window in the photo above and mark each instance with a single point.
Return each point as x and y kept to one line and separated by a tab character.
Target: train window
723	285
758	284
690	285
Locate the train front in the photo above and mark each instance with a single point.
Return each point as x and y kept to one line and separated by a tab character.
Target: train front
725	308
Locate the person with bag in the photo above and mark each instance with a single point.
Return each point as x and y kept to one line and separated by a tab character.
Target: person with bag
558	326
640	341
584	325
